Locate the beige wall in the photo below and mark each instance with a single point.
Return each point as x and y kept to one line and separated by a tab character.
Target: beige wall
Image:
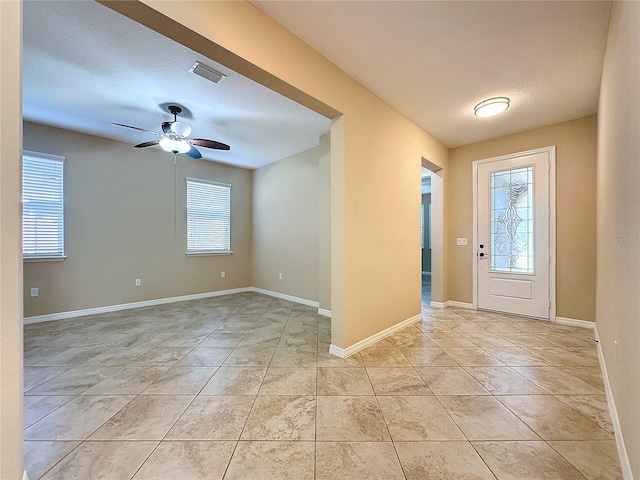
119	226
375	158
10	248
286	224
575	143
618	304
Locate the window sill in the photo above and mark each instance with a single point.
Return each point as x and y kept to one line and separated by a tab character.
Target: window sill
43	259
201	254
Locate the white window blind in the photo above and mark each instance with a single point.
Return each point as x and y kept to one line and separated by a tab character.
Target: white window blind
42	206
208	217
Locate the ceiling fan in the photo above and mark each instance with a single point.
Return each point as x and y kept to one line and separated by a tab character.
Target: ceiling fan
174	137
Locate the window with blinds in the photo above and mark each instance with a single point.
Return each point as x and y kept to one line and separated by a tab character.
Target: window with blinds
42	206
208	217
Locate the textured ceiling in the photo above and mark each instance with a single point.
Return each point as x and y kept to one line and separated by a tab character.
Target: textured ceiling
86	66
435	60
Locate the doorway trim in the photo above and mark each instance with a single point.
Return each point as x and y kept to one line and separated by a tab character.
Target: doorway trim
551	151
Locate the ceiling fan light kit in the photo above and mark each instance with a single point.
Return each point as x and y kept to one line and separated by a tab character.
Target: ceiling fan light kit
174	137
491	107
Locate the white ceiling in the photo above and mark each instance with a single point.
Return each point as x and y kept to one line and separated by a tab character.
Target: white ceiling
435	60
86	66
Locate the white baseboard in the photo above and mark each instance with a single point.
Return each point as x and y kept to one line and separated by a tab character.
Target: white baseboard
362	344
625	465
451	303
454	303
161	301
128	306
573	322
284	296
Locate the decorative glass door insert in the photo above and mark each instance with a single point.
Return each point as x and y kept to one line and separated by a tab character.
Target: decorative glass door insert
512	221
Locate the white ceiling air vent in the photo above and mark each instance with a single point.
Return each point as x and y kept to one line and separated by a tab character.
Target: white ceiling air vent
207	72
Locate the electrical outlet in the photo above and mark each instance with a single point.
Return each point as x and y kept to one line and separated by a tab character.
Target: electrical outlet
280	276
222	274
138	282
35	292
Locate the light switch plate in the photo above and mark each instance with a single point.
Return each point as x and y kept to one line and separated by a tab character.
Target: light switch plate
461	241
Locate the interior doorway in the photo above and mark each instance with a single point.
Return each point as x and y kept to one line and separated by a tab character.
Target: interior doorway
425	234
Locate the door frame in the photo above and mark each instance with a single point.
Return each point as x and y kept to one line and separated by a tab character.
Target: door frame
551	151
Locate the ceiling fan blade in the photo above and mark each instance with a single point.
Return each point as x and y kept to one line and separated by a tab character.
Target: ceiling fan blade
194	153
137	128
201	142
147	144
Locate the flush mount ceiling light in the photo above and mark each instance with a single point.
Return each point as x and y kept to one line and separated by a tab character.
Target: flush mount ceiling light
491	107
207	72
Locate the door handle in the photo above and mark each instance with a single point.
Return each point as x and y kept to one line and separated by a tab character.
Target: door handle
482	255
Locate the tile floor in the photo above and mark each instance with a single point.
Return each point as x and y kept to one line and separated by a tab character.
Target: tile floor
243	387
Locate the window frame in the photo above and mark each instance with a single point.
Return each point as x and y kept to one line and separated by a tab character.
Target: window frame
226	250
46	256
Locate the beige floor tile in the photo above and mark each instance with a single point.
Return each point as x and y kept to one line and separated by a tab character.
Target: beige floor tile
119	356
126	381
590	375
34	376
205	357
289	381
213	418
561	357
485	418
235	381
281	418
444	340
487	339
556	381
552	419
249	357
299	340
37	407
357	461
222	340
295	357
102	460
597	460
594	407
417	419
40	456
430	357
516	357
78	418
272	461
350	419
504	381
73	381
326	359
525	339
189	460
189	339
441	461
526	461
147	417
180	381
344	381
415	339
384	357
472	357
397	381
450	381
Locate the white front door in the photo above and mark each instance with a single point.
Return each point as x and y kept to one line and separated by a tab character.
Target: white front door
513	212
